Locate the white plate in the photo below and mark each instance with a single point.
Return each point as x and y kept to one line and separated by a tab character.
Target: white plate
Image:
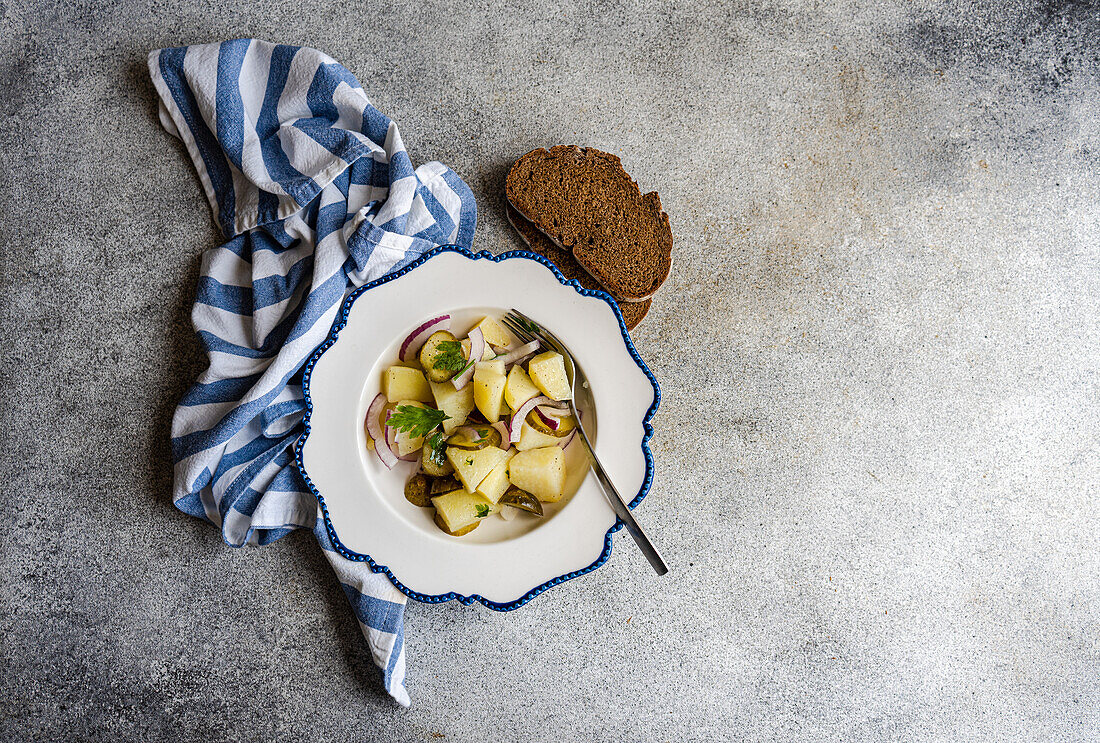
501	564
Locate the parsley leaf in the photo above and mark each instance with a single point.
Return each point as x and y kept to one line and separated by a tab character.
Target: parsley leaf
434	450
436	441
450	357
482	510
416	422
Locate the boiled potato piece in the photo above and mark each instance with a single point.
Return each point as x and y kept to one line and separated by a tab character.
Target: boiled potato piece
496	482
493	332
460	533
459	509
540	472
489	383
458	404
519	388
403	383
547	371
407	444
471	467
532	438
491	365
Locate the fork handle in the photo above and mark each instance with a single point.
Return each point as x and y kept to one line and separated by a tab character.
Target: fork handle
621	509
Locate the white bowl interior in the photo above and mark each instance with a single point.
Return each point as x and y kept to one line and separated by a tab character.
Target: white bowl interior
390	484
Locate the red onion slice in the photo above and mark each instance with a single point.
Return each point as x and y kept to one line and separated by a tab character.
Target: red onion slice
520	353
385	454
477	350
374	427
564	442
516	425
558	411
374	430
411	346
551	422
505	436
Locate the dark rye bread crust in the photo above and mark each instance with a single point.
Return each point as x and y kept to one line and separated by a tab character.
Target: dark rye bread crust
587	204
633	312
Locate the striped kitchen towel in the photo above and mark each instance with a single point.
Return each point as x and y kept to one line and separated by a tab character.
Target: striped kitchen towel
316	195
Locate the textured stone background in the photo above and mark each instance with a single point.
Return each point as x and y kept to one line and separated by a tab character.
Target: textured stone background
879	451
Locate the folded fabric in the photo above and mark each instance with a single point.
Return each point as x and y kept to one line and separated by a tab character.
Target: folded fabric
316	195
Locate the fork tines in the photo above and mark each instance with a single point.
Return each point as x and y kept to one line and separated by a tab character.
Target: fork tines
517	327
528	330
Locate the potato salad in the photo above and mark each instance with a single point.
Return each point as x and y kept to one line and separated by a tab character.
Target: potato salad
485	418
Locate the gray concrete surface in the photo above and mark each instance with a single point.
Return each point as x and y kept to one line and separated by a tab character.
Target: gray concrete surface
879	450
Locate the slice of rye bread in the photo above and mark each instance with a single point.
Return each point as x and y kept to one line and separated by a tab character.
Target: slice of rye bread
587	204
633	312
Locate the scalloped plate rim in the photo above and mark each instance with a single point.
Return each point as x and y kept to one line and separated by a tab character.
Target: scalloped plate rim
341	321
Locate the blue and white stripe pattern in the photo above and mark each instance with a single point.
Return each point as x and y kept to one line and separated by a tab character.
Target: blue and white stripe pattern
316	195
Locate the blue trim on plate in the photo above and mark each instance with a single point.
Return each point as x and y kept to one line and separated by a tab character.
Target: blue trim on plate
342	320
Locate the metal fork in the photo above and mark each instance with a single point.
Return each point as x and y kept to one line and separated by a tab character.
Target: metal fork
528	330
